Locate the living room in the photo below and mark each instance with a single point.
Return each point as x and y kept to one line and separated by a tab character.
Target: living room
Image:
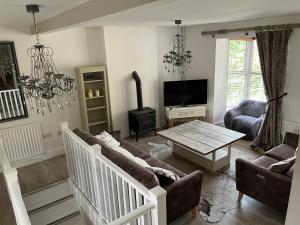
134	36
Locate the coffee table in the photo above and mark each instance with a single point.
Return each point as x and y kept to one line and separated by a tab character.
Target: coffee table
203	143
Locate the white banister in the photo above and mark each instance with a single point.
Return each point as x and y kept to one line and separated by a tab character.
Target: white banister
159	212
12	183
11	104
115	197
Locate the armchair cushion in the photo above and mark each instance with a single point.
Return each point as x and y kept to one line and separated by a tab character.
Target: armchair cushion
247	124
282	166
281	152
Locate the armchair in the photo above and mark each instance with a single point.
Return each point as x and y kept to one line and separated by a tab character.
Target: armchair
246	118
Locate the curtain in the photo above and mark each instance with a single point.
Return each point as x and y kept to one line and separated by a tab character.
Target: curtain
272	46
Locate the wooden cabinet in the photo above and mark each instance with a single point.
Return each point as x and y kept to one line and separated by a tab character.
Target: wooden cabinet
94	99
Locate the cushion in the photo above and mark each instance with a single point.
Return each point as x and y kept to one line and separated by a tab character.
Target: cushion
283	165
143	175
281	152
290	172
108	139
157	163
252	108
82	134
164	173
265	161
135	151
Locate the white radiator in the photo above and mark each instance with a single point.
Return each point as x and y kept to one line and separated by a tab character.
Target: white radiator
23	142
290	126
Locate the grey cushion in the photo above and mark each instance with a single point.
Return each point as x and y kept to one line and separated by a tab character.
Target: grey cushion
282	166
281	152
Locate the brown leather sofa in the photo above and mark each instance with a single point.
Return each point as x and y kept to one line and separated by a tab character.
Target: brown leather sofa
182	195
254	179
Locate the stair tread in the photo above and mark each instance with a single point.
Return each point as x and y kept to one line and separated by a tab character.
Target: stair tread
46	196
43	188
74	220
54	212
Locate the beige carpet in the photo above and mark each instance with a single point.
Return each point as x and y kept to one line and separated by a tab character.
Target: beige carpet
218	194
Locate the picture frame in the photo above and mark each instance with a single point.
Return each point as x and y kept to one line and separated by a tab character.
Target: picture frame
12	100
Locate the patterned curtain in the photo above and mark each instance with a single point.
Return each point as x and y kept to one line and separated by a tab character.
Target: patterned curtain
272	46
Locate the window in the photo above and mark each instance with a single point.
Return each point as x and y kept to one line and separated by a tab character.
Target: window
244	73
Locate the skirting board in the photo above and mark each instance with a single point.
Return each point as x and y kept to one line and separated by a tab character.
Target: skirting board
48	155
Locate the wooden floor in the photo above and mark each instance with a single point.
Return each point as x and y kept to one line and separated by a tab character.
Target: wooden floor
250	212
6	211
44	173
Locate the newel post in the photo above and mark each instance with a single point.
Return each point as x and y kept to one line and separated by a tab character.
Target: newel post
64	125
159	213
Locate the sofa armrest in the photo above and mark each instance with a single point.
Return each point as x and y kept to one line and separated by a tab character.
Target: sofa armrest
262	184
230	114
291	139
183	195
116	135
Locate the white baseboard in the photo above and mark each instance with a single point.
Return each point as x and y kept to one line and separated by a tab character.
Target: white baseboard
48	155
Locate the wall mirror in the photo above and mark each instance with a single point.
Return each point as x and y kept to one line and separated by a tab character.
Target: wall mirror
12	102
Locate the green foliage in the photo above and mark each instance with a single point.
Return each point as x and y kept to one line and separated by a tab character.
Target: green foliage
244	73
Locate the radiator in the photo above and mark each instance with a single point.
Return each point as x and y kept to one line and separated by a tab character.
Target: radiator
23	142
290	126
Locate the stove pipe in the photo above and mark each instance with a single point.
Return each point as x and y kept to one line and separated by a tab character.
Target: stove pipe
138	90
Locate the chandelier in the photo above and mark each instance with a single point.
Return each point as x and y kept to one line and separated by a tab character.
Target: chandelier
178	60
45	87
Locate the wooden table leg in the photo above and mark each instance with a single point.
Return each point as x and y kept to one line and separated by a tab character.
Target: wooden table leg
194	212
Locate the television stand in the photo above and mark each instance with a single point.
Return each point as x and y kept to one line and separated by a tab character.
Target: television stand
184	114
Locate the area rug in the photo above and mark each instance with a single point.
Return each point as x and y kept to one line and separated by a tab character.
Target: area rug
218	194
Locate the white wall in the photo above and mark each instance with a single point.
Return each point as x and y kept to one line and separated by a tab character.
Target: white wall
164	44
72	48
221	76
292	113
291	101
131	49
203	64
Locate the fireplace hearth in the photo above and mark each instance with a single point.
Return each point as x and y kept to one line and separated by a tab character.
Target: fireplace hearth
142	119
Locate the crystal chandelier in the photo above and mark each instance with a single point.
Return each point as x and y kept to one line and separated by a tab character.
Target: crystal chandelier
45	86
178	60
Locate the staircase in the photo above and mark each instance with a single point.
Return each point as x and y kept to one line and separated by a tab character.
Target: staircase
53	205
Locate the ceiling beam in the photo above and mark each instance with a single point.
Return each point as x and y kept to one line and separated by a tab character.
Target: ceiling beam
87	12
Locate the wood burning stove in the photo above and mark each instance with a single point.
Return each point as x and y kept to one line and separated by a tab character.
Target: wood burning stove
141	120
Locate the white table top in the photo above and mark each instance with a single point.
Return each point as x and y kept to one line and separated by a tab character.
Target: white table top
201	137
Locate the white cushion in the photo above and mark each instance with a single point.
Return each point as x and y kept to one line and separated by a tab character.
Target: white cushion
108	139
283	165
164	172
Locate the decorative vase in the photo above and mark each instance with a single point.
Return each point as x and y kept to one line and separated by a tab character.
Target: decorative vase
97	93
90	93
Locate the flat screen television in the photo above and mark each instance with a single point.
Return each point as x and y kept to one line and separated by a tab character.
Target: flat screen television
186	92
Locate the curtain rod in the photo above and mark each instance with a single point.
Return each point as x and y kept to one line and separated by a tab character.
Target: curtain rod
247	29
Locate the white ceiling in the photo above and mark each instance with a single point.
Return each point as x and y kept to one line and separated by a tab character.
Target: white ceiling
192	12
13	12
161	12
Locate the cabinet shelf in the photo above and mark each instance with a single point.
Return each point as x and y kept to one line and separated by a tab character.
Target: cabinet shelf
95	108
92	81
97	123
88	98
